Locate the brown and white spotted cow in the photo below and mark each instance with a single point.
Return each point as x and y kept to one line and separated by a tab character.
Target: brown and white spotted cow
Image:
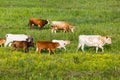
93	40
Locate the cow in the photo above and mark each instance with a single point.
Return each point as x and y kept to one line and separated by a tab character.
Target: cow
17	37
37	22
97	41
21	45
61	25
62	43
51	46
2	41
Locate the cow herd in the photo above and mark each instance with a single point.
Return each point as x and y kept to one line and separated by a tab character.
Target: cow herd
56	25
17	41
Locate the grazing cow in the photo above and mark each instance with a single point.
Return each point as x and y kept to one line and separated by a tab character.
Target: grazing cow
2	41
51	46
61	25
17	37
62	43
93	40
22	44
37	22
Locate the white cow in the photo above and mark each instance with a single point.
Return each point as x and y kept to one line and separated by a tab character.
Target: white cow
93	40
62	43
14	37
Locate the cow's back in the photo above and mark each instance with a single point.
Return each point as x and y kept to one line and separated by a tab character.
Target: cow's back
60	24
86	37
90	40
46	44
35	21
18	37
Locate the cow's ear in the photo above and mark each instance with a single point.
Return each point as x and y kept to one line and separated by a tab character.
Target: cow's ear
27	39
107	37
48	22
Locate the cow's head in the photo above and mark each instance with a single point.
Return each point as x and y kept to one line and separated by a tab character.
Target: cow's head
29	39
108	40
72	28
67	42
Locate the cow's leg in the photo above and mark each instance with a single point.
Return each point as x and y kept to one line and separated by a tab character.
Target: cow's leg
96	49
39	26
49	51
6	43
55	31
79	45
2	45
25	49
101	48
72	30
52	30
31	25
10	44
13	47
65	30
38	50
53	50
64	48
82	47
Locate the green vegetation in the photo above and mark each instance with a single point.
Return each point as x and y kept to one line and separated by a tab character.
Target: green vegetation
70	66
100	17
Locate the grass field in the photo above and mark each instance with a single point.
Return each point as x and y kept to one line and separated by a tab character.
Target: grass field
91	17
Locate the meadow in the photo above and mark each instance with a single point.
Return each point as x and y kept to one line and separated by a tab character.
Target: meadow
90	17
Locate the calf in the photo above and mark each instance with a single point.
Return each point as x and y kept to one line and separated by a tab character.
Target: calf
61	25
2	41
37	22
51	46
93	40
17	37
62	43
22	44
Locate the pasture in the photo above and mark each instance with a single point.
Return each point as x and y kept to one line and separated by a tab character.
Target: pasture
101	17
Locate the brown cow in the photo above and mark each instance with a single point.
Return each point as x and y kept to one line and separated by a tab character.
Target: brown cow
37	22
51	46
61	25
2	41
22	44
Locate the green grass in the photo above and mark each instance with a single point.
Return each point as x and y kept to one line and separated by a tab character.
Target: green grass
73	66
101	17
